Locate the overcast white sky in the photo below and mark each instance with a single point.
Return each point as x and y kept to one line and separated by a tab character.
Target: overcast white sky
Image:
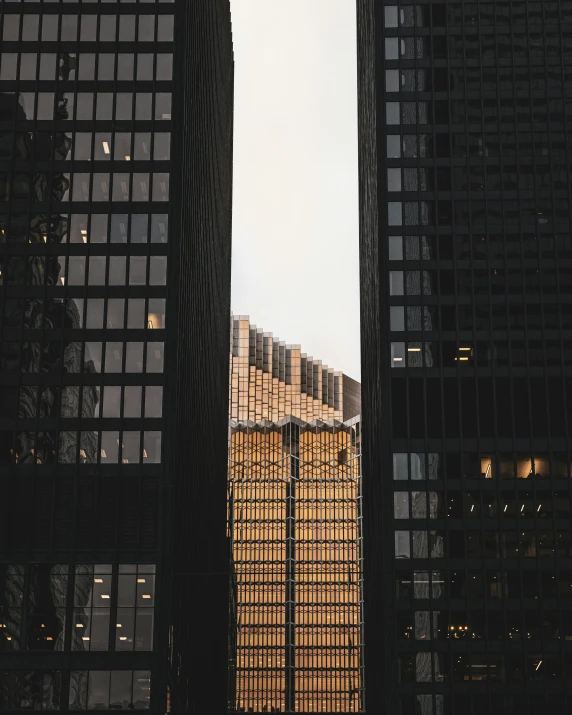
295	216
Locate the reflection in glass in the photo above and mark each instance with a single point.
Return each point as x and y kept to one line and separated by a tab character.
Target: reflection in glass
117	269
121	689
103	107
136	313
152	447
142	151
47	600
97	270
131	447
156	314
119	223
111	401
115	313
143	106
98	228
159	227
122	146
153	402
137	270
121	186
94	313
92	360
140	187
163	105
98	690
134	357
109	447
154	357
132	402
113	357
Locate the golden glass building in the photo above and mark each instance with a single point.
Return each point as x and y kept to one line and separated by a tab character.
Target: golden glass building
270	380
295	528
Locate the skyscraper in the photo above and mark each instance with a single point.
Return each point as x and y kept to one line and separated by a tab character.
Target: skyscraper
115	173
270	380
296	635
466	274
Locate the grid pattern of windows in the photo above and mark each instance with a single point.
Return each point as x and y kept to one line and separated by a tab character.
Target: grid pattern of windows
272	380
84	178
115	168
90	607
110	690
474	263
295	524
85	163
94	690
296	640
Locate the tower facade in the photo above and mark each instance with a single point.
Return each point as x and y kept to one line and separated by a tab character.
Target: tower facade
270	380
99	204
294	520
466	261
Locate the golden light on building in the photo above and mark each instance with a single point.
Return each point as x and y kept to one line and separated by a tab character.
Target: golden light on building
295	527
270	380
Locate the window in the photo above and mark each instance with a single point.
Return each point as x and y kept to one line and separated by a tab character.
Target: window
393	146
397	354
390	15
38	598
397	317
401	505
402	545
395	213
392	80
396	283
110	690
135	602
32	690
395	248
391	48
392	113
92	601
394	179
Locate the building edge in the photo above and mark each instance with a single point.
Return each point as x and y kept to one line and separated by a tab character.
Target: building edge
197	361
378	595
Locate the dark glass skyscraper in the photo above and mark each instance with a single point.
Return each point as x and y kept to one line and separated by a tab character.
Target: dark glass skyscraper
115	206
466	271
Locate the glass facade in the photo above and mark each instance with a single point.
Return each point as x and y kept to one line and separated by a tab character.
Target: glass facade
85	125
294	522
91	690
272	380
90	99
86	117
52	607
466	229
295	516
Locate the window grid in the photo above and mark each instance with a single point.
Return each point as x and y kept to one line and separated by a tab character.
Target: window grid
473	100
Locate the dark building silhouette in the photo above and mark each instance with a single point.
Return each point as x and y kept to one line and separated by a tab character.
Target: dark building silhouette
466	275
115	217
